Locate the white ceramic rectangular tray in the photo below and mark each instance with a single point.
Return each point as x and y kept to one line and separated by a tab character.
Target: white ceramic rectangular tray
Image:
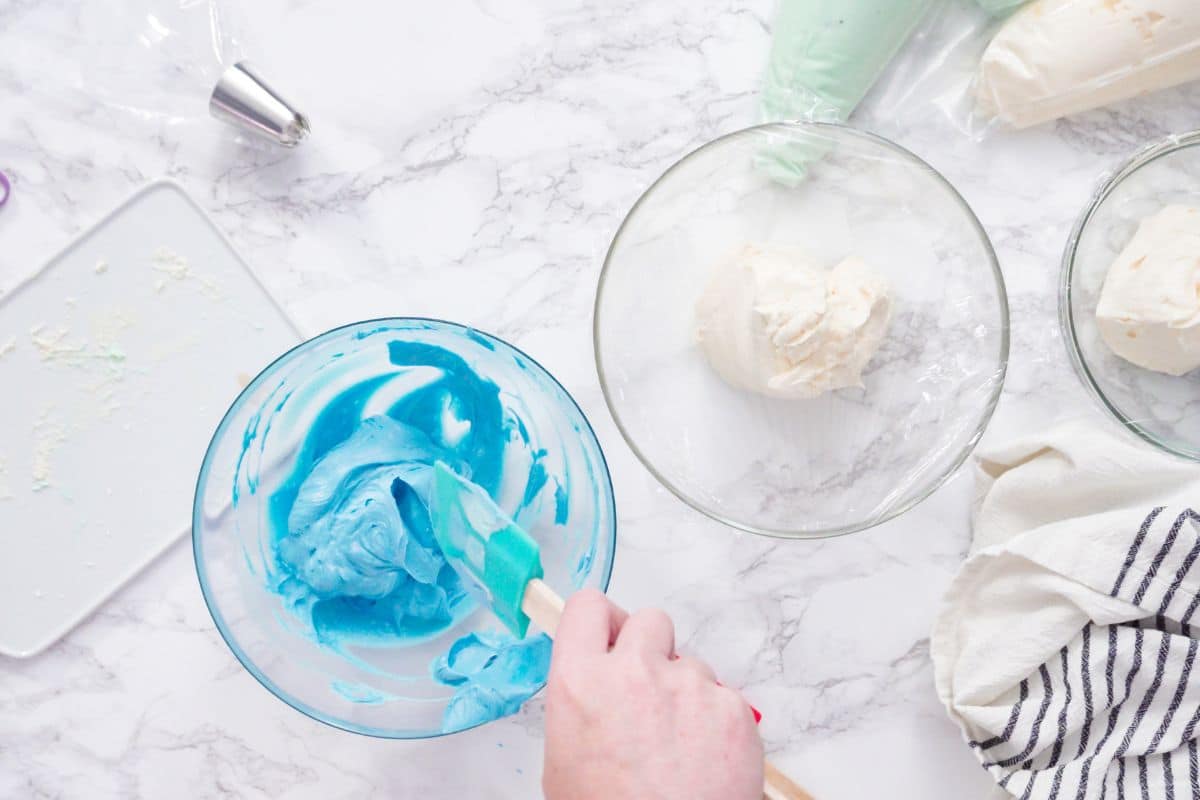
117	361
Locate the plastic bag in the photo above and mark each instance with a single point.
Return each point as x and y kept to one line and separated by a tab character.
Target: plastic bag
915	64
1048	59
826	54
157	61
934	72
176	49
1059	57
159	64
908	58
998	8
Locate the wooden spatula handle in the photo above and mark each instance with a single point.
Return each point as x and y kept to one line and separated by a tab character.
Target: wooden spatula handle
778	786
544	606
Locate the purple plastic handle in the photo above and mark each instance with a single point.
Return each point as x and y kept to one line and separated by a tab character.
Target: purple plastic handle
5	189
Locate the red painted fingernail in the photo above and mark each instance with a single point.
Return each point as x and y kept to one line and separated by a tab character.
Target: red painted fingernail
757	713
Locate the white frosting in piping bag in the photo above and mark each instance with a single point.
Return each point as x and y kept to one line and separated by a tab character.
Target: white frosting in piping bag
1058	57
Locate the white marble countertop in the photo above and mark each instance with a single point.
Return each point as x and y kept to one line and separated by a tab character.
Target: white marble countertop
477	173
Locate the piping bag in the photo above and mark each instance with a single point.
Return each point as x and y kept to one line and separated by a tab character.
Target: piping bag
1055	58
174	56
999	8
825	56
503	563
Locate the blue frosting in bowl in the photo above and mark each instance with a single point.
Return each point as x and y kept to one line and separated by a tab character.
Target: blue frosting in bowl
352	538
312	536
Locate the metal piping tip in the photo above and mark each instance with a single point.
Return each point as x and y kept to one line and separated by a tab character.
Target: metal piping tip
243	99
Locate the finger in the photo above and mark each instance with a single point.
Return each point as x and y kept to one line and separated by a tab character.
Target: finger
739	708
753	711
696	666
649	631
588	627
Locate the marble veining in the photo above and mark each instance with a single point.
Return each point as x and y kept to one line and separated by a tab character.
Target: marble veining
497	146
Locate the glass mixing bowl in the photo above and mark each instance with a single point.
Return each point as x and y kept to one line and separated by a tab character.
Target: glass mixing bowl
1162	409
385	691
846	460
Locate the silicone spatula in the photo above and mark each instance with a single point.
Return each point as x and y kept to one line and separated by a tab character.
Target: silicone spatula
494	554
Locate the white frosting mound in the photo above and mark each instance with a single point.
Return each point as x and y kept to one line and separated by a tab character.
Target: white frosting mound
771	321
1149	310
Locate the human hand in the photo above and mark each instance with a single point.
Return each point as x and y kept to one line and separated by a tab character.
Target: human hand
626	718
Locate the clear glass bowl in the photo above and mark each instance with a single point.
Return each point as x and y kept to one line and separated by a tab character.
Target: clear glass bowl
849	459
1161	409
379	691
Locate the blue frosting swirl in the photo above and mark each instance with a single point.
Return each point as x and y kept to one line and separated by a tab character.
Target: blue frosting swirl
351	536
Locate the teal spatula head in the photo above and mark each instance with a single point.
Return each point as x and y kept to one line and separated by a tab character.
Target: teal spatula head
484	545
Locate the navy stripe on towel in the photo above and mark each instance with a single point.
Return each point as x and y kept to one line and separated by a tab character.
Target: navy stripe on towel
1133	550
1037	724
1012	721
1188	561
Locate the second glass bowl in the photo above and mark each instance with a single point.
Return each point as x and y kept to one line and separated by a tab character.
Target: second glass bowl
1164	410
847	460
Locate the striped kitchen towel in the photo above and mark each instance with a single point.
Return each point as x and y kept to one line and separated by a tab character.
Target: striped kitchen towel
1067	645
